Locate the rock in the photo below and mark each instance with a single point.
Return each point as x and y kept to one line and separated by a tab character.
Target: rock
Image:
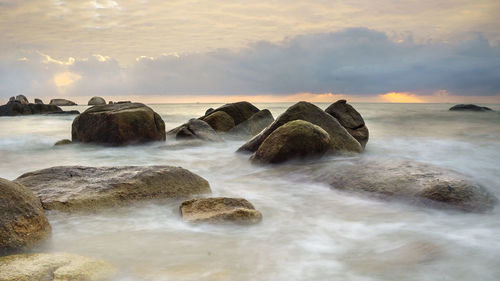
210	110
22	220
68	112
38	101
120	102
220	210
63	142
118	124
296	139
110	102
96	101
61	102
239	111
195	129
77	188
469	107
253	125
12	99
220	121
341	140
15	108
410	181
22	99
350	119
54	267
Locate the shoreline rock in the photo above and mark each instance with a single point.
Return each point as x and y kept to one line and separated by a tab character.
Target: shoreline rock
195	129
62	102
15	108
96	101
220	210
350	119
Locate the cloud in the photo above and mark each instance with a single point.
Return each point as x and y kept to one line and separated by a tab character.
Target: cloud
354	61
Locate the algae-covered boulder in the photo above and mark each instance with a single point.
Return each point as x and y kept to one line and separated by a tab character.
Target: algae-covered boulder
118	124
297	139
75	188
350	119
96	101
195	129
253	125
22	220
220	210
220	121
239	111
54	267
62	102
341	140
469	107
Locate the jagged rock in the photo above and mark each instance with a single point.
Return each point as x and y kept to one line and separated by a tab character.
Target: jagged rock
253	125
195	129
118	124
296	139
77	188
15	108
350	119
61	102
22	220
220	210
63	142
220	121
38	101
54	267
469	107
96	101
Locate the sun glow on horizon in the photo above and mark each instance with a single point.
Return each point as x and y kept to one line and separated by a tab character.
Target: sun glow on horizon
401	97
64	79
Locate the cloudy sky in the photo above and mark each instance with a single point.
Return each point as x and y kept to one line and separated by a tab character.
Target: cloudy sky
221	50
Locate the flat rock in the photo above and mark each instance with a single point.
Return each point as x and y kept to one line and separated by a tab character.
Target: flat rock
469	107
62	102
63	142
54	267
75	188
22	220
220	210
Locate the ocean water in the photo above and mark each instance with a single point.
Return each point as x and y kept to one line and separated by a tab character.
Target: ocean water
309	232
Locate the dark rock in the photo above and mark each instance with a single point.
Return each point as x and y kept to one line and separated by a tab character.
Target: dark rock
63	142
96	101
210	110
68	112
38	101
469	107
220	121
253	125
75	188
239	111
350	119
22	99
220	210
110	102
120	102
16	108
61	102
118	124
296	139
22	220
341	140
12	99
195	129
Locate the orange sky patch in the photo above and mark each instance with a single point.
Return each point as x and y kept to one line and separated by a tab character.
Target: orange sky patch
403	97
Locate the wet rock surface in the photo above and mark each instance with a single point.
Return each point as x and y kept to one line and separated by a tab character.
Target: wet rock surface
350	119
220	210
195	129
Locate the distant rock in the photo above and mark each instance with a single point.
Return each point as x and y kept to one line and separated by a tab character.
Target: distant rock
54	267
22	220
220	210
110	102
350	119
469	107
15	108
38	101
220	121
296	139
22	99
63	142
253	125
195	129
61	102
120	102
96	101
341	140
118	124
68	112
77	188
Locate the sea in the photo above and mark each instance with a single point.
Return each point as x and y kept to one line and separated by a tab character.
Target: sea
309	231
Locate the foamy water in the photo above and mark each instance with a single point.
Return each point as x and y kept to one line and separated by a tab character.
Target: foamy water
309	231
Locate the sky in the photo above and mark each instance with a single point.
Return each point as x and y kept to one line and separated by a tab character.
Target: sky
228	50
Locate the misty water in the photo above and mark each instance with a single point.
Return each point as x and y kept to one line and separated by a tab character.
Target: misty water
309	231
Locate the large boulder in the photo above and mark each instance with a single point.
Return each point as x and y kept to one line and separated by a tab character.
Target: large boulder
118	124
220	121
350	119
15	108
22	99
410	181
253	125
22	220
75	188
96	101
220	210
296	139
469	107
54	267
193	130
239	111
341	140
61	102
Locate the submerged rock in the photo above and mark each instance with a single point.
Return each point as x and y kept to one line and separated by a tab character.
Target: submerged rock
22	220
220	121
15	108
63	142
297	139
96	101
253	125
220	210
54	267
195	129
62	102
350	119
75	188
341	140
118	124
410	181
469	107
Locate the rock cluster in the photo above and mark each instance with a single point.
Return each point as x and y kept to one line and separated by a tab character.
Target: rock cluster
20	106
